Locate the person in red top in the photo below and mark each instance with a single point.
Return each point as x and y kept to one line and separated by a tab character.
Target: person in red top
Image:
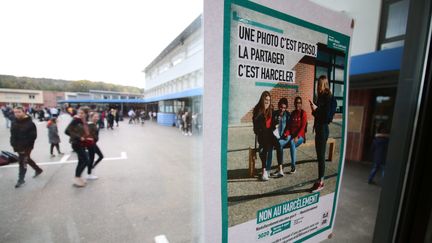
295	133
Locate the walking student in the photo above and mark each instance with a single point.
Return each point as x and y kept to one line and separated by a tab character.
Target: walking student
321	111
8	115
110	119
94	133
379	152
80	138
264	122
23	136
117	116
295	133
53	136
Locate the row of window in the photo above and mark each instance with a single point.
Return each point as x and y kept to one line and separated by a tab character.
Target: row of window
191	50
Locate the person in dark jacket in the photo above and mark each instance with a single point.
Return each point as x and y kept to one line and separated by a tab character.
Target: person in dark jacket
53	136
321	111
94	133
117	116
264	123
379	152
23	136
81	140
283	117
110	119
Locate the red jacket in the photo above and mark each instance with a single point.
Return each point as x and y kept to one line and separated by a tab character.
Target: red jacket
297	124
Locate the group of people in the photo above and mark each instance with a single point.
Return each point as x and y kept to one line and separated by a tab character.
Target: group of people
83	131
40	113
184	122
111	115
138	116
276	129
187	121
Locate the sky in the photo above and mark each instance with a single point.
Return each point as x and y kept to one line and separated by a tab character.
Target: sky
97	40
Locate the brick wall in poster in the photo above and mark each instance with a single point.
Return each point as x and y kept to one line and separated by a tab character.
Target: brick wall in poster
305	74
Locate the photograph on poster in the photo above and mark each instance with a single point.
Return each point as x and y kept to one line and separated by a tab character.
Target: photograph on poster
285	82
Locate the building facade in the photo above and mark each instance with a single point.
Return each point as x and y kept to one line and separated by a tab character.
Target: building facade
21	97
104	99
174	79
52	98
376	54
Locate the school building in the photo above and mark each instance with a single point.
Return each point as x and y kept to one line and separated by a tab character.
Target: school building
103	99
174	79
21	97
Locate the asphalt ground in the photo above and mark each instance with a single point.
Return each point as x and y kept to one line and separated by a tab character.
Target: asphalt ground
149	185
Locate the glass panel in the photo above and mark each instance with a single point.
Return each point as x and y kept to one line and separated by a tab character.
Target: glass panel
323	56
393	44
339	74
339	107
397	19
338	90
320	71
340	60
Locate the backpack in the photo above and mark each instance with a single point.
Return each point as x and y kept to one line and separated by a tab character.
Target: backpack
332	110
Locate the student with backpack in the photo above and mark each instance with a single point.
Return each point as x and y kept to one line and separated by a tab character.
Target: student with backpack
323	112
80	139
295	133
53	136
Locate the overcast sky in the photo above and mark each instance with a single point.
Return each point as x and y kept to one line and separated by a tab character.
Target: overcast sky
98	40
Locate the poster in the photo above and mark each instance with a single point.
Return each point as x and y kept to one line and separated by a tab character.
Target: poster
266	50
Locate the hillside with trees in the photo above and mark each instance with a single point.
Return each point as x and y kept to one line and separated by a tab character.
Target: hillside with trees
13	82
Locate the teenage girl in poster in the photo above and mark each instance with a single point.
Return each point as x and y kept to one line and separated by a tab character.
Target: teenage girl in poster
321	111
264	123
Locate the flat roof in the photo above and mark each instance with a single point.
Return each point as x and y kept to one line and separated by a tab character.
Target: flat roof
112	92
182	94
196	24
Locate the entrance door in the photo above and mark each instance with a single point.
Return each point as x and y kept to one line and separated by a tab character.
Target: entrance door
383	101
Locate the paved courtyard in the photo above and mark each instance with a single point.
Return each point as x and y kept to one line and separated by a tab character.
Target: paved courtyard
148	186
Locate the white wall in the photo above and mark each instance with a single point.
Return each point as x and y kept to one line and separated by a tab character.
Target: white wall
366	15
168	69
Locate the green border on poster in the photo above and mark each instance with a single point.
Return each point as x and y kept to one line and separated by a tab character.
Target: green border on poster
225	108
225	98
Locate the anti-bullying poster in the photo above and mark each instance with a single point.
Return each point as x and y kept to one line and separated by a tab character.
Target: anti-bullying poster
273	189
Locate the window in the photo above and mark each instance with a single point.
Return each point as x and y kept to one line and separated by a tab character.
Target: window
331	63
394	17
166	106
178	59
